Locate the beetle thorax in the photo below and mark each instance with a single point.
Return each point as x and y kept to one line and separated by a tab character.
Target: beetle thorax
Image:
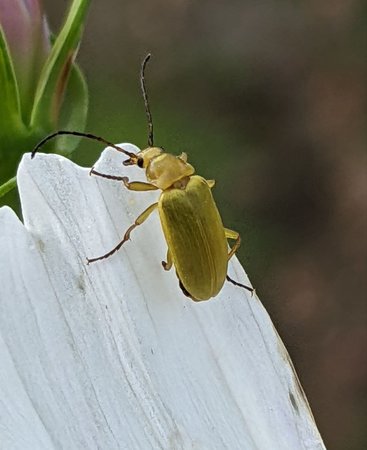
165	170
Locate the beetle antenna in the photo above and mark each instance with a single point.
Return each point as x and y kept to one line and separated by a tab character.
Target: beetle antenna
146	101
84	135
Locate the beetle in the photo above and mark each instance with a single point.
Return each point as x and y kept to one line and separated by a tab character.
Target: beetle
192	226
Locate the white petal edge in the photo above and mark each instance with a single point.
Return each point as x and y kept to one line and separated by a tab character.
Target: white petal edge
112	355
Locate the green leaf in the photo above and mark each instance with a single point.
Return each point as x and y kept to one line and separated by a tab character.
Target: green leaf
74	110
10	115
55	73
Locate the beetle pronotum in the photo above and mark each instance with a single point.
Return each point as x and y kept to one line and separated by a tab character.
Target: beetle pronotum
191	224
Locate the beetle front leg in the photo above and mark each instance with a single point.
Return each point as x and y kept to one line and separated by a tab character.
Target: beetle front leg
142	218
230	234
167	265
138	185
132	186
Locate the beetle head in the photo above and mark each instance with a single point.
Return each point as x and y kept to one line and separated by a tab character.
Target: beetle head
143	158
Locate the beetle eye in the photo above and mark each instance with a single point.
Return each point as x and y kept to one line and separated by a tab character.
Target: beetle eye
140	162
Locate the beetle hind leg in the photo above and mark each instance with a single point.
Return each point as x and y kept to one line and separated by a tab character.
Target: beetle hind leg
228	278
230	234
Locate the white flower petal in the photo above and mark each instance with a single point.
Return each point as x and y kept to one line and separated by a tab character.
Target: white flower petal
112	355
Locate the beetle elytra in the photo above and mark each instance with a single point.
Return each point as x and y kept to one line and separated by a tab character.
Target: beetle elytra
191	224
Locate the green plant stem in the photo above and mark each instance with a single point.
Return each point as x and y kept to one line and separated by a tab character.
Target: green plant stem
8	186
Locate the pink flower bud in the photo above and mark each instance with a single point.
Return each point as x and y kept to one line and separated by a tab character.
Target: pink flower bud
27	36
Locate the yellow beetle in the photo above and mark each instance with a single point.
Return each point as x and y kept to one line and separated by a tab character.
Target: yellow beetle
192	226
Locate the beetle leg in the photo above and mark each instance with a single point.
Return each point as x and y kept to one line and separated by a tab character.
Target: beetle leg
142	218
167	265
230	234
133	186
138	185
252	290
103	175
211	183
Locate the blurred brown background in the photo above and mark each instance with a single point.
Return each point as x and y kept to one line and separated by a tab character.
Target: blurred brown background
268	98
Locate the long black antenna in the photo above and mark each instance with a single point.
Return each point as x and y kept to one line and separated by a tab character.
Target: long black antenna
146	101
84	135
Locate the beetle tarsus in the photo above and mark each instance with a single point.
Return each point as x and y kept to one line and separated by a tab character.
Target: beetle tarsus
252	290
104	175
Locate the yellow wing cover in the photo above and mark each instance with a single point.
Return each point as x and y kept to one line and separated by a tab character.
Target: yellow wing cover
195	237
